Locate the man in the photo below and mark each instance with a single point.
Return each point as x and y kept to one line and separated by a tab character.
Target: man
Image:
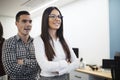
18	51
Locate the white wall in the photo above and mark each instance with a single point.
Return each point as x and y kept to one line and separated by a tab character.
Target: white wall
86	26
9	27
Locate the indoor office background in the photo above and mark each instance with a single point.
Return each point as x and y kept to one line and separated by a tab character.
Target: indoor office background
90	25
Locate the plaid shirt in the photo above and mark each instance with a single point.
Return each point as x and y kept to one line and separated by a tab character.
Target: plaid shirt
14	49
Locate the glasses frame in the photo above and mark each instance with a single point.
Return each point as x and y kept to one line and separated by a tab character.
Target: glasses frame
53	16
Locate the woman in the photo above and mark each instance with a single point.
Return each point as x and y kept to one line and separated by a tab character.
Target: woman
2	72
53	54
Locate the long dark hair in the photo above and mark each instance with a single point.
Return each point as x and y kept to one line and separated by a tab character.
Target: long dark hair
1	31
46	36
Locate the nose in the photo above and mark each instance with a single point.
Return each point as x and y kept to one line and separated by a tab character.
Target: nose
28	24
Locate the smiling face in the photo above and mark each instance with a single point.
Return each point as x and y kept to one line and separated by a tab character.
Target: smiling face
24	25
54	20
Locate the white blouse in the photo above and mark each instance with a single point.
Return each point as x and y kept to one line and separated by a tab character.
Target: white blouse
59	63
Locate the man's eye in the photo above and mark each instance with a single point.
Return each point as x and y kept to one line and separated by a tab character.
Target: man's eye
25	21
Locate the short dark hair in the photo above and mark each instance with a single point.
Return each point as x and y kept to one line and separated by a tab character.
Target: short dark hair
1	30
21	13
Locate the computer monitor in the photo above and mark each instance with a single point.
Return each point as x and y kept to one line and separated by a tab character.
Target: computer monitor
76	50
108	63
117	56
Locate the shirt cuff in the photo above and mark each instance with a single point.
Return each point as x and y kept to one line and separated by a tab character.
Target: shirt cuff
63	71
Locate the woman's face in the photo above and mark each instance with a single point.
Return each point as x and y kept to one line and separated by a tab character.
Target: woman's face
54	20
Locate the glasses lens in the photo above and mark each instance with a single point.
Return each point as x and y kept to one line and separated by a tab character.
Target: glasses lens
60	16
54	16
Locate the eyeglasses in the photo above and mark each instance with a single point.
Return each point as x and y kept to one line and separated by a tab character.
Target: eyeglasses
54	16
25	21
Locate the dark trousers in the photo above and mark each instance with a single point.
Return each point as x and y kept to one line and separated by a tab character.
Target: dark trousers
62	77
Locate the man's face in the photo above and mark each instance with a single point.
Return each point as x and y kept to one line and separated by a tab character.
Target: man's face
24	25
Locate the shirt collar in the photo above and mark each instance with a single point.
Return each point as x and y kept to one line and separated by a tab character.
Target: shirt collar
56	40
30	39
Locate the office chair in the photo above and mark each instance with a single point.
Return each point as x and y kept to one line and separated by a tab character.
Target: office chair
117	56
115	70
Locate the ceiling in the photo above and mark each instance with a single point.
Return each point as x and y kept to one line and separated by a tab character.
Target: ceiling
9	8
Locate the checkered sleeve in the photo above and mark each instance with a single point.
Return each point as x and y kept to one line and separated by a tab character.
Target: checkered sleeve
10	61
31	65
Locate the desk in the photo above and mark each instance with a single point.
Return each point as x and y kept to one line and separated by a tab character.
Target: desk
104	74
